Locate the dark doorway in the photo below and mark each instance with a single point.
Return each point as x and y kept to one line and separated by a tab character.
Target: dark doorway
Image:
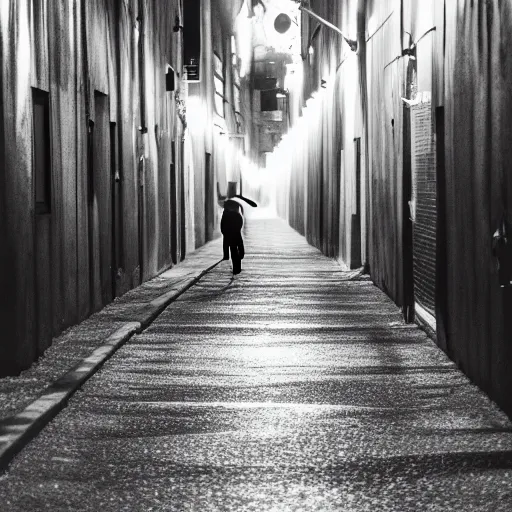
141	216
208	196
91	222
100	205
173	205
183	236
41	166
117	212
355	247
441	239
407	233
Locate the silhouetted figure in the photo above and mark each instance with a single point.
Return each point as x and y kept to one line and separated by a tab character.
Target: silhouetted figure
231	227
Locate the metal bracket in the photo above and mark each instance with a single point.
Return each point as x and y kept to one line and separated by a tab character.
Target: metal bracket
350	42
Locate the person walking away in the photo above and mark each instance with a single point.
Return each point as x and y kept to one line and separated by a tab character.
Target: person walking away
231	225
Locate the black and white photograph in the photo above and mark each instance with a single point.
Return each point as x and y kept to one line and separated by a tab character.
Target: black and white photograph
256	255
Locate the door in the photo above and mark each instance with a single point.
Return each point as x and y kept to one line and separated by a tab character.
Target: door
441	304
174	206
355	249
99	204
183	234
208	197
424	209
141	216
41	166
407	233
117	212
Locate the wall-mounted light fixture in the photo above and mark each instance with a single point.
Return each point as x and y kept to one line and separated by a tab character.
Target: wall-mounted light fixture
410	52
282	23
281	93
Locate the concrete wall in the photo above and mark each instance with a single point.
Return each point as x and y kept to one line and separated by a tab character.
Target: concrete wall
477	84
316	163
384	82
128	178
459	61
456	68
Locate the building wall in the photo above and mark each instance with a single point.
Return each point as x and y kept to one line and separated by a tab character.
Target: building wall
477	84
384	81
128	177
455	68
460	62
315	164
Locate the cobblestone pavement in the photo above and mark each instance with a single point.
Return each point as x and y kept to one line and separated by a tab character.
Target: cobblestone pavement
293	387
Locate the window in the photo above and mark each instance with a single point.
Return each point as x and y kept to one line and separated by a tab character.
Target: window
236	94
218	66
192	39
267	69
240	128
41	150
219	85
268	100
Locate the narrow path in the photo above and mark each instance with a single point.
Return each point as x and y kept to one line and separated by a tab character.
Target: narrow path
294	386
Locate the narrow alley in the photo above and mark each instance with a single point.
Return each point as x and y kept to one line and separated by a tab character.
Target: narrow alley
293	386
256	255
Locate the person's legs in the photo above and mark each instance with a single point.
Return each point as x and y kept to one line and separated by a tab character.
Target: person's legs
241	248
225	248
230	226
235	257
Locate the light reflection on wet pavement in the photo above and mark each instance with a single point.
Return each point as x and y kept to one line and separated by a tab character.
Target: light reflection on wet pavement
293	387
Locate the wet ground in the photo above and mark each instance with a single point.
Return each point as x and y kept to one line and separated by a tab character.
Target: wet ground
293	387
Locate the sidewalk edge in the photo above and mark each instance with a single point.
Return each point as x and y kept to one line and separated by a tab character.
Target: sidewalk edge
156	306
18	430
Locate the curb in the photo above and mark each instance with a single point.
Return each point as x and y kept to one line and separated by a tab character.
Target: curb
18	430
156	306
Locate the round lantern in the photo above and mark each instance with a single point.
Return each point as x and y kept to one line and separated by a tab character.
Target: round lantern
282	23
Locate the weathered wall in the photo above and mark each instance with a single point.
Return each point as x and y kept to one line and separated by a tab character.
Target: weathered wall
384	75
316	161
460	60
442	244
477	97
204	142
128	180
18	294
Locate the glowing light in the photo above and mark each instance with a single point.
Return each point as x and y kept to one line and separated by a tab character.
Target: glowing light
243	36
196	113
4	10
23	60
